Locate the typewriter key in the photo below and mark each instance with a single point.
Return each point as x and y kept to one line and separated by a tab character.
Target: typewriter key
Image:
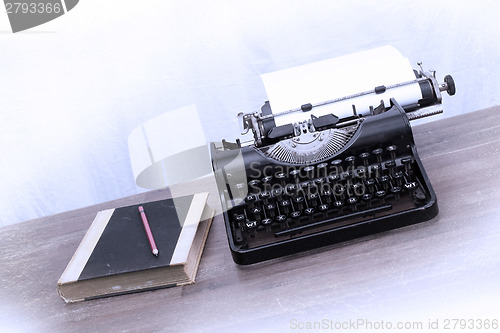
270	210
407	161
295	215
370	185
364	158
380	194
254	185
281	176
352	203
351	160
384	181
267	223
358	189
291	190
398	178
323	207
251	225
256	213
367	198
375	170
410	186
360	172
309	171
336	166
250	200
322	169
390	165
307	184
346	175
339	192
265	196
266	181
326	196
378	154
333	178
336	162
278	193
298	202
284	206
338	204
295	173
396	190
239	218
319	181
281	219
392	150
313	198
309	211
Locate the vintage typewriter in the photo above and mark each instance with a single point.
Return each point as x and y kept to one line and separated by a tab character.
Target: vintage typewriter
327	179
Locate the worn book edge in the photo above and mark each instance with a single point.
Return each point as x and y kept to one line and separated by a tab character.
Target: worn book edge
86	247
189	227
199	243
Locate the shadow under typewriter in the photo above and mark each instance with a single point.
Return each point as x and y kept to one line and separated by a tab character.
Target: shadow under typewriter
344	183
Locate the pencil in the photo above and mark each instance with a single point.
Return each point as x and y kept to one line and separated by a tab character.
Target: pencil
151	239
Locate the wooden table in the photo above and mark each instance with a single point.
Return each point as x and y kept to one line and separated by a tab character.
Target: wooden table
444	269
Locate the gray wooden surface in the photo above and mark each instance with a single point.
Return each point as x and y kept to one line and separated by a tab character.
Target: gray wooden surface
447	268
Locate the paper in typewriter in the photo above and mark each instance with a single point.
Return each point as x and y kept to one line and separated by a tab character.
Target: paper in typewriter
338	77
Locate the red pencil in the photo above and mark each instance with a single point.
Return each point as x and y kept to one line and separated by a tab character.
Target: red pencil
151	239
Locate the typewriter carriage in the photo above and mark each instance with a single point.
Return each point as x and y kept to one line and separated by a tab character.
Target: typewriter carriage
265	131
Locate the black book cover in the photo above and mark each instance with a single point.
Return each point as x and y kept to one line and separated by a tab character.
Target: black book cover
124	246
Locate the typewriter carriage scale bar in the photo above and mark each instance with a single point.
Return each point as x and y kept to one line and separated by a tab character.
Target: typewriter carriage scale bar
327	179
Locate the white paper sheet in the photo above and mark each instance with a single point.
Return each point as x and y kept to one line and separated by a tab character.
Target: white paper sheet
338	77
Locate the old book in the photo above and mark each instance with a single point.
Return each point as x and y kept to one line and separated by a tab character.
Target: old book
115	256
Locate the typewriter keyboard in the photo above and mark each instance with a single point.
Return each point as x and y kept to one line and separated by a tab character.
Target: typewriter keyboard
285	201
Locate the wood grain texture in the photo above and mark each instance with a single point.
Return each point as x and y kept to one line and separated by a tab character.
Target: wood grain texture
445	268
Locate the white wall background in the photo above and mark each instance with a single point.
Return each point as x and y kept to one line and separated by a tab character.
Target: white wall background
73	89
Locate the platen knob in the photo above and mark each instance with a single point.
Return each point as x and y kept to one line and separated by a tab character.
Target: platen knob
450	83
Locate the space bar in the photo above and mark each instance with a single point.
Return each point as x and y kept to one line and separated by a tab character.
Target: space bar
361	213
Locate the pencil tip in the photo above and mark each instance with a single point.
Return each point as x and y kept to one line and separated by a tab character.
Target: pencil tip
155	252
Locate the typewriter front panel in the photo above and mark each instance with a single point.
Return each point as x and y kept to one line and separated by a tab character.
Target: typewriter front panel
341	184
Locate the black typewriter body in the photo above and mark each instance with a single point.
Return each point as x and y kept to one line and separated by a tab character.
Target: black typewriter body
307	189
